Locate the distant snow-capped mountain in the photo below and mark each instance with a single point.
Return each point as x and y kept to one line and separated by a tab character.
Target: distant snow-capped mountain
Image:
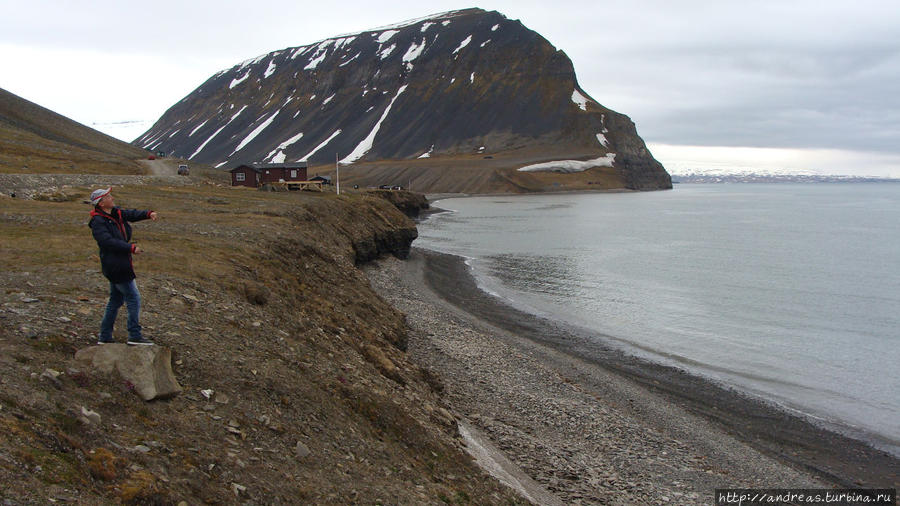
462	83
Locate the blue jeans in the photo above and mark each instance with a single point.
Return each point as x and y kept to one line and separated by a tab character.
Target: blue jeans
119	293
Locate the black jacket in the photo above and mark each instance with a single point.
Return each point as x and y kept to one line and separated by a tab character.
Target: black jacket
113	233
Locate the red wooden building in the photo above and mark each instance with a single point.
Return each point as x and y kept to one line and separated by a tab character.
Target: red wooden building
256	174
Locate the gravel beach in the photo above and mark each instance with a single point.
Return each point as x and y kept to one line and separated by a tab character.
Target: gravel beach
590	425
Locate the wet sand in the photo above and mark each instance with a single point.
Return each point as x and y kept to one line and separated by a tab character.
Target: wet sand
594	425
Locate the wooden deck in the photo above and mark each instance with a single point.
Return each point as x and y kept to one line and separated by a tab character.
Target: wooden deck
299	185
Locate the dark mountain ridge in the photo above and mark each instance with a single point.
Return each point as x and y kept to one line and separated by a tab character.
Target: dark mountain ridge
460	83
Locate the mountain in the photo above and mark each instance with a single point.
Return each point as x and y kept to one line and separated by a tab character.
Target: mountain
764	176
453	102
34	139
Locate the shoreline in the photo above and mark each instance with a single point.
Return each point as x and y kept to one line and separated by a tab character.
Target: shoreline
773	447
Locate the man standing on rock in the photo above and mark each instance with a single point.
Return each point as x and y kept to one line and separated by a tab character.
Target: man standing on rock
109	225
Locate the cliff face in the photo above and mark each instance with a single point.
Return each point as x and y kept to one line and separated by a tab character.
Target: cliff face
296	386
455	85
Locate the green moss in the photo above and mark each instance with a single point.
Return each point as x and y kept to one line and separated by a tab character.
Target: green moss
66	423
53	467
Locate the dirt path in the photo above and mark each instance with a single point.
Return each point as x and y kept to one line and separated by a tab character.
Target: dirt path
160	167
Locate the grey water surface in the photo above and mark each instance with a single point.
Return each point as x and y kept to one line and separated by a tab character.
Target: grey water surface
790	292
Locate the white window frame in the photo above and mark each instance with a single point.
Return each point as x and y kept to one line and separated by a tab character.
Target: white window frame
240	177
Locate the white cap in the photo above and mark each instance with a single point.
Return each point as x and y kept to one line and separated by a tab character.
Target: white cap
96	195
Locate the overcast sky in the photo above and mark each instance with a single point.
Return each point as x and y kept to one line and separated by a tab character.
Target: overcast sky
804	85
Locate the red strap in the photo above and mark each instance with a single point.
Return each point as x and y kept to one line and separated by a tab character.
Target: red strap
120	223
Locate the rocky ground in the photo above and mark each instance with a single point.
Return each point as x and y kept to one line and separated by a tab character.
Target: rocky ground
582	433
296	386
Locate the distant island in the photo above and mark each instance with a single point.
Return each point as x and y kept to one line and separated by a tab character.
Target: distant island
752	177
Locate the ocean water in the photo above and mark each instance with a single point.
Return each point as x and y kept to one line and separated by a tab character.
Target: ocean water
787	292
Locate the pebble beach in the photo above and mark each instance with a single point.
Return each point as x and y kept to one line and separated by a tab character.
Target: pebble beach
584	425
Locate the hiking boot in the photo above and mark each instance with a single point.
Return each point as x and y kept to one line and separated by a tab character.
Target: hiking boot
105	341
139	341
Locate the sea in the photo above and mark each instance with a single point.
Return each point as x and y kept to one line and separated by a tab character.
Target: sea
788	292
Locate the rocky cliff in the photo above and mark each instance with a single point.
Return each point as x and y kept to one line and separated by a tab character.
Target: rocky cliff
455	101
294	384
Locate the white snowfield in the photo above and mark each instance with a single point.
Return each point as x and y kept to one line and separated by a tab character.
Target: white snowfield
270	70
579	99
256	131
320	146
211	137
277	155
386	36
238	80
427	154
403	24
363	147
387	51
603	141
463	44
198	128
414	51
570	166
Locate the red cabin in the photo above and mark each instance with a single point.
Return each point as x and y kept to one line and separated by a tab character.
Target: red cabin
256	174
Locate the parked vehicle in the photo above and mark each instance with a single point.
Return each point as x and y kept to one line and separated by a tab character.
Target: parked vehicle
183	170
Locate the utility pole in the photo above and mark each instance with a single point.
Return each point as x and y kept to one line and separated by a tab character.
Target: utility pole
337	173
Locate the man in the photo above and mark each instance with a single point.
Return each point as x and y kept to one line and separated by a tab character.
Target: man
110	227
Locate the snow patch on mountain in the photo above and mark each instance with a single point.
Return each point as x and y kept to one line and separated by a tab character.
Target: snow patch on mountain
320	146
316	60
410	22
350	60
427	154
363	147
387	51
238	80
462	44
386	36
270	70
277	154
414	51
256	131
343	41
570	166
198	128
211	137
579	99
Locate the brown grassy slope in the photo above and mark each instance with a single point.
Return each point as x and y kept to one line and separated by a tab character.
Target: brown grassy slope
34	139
477	174
259	298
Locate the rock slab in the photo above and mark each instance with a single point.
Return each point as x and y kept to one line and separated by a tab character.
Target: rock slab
148	368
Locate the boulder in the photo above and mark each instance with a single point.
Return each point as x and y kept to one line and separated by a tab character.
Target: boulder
148	368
